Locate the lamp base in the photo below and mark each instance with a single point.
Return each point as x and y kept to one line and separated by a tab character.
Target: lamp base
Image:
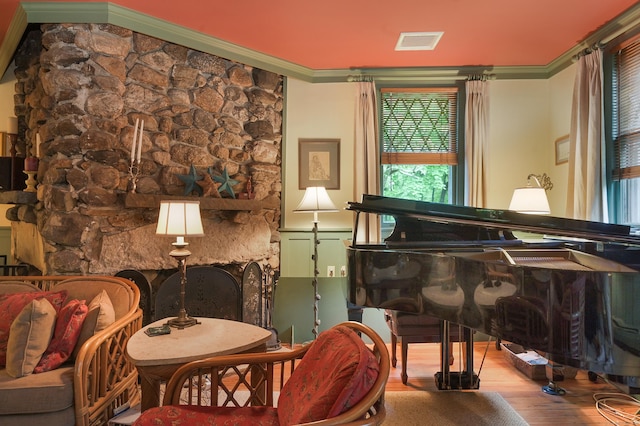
181	323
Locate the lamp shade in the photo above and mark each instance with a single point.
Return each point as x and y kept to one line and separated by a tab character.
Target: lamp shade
179	218
530	200
316	199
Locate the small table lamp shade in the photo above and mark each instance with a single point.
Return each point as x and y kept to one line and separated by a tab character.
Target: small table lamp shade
530	199
315	199
179	218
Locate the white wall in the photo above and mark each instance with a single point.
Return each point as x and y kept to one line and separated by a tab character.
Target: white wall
527	116
519	137
560	98
7	91
324	111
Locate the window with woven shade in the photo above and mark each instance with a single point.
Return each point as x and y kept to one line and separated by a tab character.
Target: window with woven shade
625	126
419	144
419	126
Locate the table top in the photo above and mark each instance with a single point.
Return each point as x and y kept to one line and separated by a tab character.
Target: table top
212	337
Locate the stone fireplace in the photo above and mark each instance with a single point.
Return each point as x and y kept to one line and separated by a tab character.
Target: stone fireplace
80	89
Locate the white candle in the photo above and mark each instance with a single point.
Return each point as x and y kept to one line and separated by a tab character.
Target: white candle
133	143
38	144
12	127
140	143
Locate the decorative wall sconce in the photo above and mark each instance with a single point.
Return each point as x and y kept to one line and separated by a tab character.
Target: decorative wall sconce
532	199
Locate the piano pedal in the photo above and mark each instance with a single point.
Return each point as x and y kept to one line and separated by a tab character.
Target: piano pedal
456	380
553	389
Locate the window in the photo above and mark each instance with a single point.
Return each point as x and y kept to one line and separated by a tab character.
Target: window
625	131
419	140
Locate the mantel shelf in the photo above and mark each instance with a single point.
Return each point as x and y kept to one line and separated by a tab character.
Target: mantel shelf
206	203
18	197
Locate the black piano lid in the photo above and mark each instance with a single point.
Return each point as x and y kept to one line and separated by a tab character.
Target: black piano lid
497	219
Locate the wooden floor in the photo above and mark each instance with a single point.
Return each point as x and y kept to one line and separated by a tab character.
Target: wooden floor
497	374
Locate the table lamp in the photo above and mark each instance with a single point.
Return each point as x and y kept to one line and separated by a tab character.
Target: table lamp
531	199
180	218
315	200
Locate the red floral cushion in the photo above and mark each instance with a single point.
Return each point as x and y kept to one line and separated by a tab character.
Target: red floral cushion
65	336
336	372
172	415
12	304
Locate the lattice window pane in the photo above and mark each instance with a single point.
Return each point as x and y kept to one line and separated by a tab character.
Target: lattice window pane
419	126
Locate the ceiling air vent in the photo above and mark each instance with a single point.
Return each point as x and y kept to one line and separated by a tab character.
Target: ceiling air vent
418	41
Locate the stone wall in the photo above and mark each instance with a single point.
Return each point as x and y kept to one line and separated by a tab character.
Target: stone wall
82	87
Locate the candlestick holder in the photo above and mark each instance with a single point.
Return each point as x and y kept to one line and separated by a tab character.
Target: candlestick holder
31	181
134	170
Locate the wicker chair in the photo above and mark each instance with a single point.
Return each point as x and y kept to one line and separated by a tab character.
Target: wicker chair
244	387
100	380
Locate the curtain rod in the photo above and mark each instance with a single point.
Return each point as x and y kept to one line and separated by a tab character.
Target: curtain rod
357	78
481	77
587	51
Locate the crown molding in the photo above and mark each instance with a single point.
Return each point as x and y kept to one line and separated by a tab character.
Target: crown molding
108	13
103	12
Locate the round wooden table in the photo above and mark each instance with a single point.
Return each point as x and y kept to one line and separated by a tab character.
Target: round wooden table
157	358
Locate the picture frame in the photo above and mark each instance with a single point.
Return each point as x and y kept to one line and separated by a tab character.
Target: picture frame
562	149
319	163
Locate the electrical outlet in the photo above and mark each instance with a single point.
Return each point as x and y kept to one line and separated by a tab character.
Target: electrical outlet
343	271
331	271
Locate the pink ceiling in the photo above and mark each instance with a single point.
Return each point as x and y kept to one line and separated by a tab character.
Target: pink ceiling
338	34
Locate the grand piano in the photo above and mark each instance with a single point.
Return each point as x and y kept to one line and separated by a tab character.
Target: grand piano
568	289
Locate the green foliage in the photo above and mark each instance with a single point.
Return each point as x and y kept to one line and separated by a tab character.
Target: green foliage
422	182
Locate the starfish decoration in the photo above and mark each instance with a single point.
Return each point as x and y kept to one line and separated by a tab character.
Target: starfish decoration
190	181
226	183
209	187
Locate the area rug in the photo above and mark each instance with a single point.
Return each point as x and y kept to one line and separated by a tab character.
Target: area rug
422	408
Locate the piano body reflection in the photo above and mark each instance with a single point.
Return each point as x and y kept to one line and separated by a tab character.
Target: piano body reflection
573	294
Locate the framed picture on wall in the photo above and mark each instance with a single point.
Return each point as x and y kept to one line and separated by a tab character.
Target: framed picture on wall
562	149
319	163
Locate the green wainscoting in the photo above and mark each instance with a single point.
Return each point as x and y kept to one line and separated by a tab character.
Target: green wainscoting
293	315
5	242
296	250
294	308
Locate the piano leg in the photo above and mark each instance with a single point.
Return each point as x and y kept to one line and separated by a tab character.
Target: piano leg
555	373
446	379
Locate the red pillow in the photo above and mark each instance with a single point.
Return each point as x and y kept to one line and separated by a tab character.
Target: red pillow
334	375
65	336
12	304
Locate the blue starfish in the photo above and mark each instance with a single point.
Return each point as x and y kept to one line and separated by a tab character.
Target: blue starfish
190	181
226	183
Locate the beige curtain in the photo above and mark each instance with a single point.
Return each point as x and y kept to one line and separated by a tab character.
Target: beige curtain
367	159
476	141
586	194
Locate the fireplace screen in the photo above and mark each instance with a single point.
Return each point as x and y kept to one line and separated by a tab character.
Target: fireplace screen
211	293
